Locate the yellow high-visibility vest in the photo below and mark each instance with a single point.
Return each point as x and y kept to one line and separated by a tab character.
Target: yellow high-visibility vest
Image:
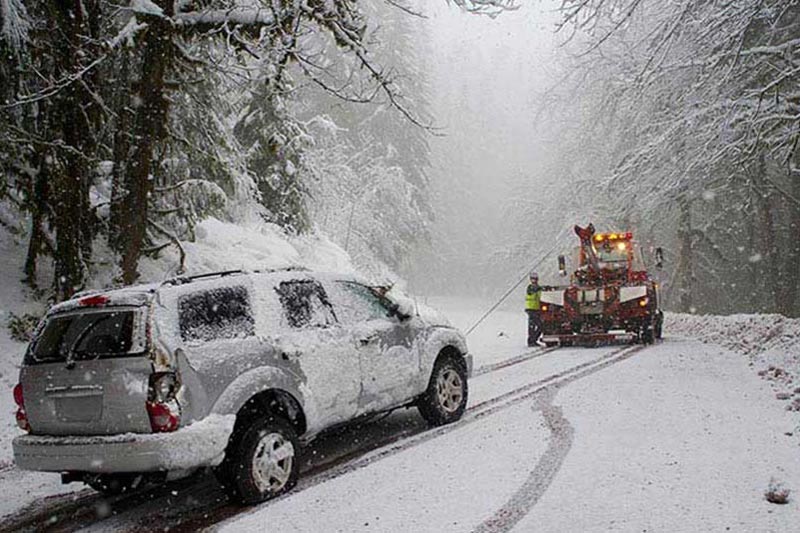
533	298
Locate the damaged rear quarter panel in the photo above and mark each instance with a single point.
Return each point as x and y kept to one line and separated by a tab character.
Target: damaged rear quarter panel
219	375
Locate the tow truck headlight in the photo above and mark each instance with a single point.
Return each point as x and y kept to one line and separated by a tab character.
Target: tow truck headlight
644	301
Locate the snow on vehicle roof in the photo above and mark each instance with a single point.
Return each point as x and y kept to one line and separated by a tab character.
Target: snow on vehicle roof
137	295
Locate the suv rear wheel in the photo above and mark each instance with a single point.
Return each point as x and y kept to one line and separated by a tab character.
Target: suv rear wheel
446	397
261	462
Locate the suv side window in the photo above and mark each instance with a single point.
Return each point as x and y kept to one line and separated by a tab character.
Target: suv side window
220	313
357	303
305	304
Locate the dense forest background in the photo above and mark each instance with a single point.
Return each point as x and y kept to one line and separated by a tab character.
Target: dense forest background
124	125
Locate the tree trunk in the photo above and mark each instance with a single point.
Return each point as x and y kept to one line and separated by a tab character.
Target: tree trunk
756	301
769	256
121	155
769	252
38	209
685	278
149	131
790	271
75	21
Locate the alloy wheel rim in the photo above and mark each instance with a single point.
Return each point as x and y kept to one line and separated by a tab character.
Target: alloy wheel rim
450	390
273	462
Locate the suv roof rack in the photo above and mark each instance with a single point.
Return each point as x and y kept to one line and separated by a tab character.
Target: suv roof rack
182	280
286	269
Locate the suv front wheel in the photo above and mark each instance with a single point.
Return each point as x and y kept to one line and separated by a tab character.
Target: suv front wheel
445	400
262	461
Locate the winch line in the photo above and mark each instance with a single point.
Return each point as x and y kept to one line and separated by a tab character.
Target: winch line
517	284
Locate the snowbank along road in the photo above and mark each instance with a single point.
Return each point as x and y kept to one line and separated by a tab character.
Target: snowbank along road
530	378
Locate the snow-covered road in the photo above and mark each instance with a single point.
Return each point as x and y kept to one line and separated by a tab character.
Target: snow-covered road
681	436
677	437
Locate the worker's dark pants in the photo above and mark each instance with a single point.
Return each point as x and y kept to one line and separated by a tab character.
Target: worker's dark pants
534	326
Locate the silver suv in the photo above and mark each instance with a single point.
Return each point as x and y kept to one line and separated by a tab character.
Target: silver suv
232	370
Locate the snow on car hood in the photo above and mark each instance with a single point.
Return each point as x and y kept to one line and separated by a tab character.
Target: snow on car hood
411	307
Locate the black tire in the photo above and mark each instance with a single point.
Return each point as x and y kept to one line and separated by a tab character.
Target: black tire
445	399
551	344
239	474
646	334
115	484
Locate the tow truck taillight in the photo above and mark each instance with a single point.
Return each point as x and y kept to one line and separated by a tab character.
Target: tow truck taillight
22	416
162	406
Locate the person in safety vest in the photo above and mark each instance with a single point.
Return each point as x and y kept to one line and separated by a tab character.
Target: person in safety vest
533	298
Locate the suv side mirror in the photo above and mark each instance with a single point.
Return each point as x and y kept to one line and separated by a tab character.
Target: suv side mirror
659	257
394	310
562	265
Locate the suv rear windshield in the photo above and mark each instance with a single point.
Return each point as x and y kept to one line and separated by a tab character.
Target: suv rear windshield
84	336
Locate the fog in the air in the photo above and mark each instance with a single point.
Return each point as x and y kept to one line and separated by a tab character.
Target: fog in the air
486	79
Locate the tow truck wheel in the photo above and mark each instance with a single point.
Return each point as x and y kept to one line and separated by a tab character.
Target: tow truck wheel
445	400
646	334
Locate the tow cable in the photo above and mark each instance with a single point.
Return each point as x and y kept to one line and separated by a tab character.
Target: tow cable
517	284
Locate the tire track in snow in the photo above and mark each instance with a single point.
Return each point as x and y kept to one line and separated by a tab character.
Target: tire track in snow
543	474
362	459
520	504
69	512
517	359
87	509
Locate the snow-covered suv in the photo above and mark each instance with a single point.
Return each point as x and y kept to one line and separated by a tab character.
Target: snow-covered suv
232	370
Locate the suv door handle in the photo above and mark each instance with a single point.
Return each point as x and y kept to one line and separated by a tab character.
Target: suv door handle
286	356
367	340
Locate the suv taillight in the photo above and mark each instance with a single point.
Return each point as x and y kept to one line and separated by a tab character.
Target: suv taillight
162	406
162	417
22	416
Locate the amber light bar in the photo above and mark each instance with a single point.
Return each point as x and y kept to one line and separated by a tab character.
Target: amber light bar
613	236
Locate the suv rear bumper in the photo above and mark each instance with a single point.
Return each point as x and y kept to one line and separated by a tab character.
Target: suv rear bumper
200	444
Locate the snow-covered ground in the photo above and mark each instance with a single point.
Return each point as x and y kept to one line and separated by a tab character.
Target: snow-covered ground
771	344
682	436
